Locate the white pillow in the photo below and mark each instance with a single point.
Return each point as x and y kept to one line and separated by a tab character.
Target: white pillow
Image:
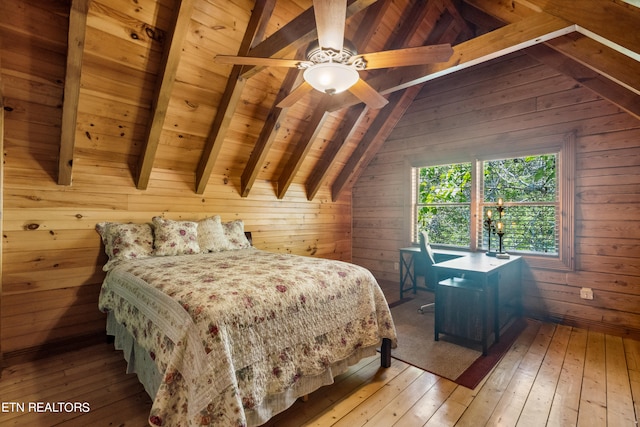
234	230
211	236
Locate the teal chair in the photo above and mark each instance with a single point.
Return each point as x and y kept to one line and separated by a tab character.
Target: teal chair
425	267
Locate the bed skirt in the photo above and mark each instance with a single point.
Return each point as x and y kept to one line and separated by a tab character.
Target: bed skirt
139	363
138	360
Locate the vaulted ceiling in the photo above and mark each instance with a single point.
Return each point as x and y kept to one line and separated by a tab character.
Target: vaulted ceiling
142	88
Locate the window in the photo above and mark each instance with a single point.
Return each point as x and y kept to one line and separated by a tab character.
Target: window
443	205
528	188
450	201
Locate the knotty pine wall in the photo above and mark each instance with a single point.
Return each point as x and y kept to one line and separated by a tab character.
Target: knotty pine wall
52	256
509	103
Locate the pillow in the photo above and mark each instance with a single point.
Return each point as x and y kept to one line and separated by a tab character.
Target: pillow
175	237
234	230
125	241
211	237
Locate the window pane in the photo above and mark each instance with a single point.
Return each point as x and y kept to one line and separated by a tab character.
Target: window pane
530	229
522	179
528	185
445	184
443	203
447	225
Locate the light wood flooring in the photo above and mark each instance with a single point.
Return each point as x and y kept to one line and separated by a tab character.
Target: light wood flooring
553	375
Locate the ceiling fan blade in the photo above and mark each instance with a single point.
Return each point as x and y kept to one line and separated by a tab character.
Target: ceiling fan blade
250	60
331	18
365	93
295	95
409	56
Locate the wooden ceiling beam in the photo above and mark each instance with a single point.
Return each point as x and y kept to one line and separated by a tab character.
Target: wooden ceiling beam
373	139
267	134
445	31
303	146
269	130
164	86
355	114
71	97
586	76
604	60
295	35
348	127
604	20
510	38
231	96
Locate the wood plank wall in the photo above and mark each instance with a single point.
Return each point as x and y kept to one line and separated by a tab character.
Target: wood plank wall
510	103
52	254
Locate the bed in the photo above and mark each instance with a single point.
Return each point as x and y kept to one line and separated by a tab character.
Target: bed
234	336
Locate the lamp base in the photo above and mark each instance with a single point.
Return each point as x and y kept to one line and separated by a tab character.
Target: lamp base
491	253
502	255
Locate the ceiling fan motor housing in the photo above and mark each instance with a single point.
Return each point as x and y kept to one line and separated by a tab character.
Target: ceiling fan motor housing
318	55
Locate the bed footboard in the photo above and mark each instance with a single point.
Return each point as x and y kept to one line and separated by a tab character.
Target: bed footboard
385	353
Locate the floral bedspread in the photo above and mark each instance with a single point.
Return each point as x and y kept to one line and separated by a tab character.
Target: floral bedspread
238	335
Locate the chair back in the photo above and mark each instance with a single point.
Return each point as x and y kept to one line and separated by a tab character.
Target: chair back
425	250
426	260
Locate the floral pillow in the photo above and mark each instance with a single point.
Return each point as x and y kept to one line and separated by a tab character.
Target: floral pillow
211	236
125	241
175	237
234	230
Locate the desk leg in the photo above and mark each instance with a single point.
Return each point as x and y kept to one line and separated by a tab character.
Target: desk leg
406	272
496	309
485	312
403	276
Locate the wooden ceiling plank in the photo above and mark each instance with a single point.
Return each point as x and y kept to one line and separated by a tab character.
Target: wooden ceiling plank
373	18
310	133
295	35
384	123
373	139
75	49
510	38
231	96
612	64
605	22
592	80
610	20
267	135
348	127
164	86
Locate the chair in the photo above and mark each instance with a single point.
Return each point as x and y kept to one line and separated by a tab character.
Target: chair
427	259
426	267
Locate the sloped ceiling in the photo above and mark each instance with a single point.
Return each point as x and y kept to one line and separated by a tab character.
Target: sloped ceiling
142	90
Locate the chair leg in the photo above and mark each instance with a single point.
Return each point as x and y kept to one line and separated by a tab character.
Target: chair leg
423	309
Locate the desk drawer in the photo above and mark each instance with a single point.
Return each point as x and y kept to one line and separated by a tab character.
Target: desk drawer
459	309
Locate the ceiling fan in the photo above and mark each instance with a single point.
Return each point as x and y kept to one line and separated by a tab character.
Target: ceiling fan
332	62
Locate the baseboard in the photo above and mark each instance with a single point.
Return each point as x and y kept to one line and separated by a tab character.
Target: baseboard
619	331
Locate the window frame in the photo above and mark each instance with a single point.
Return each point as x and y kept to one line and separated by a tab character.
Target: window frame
566	154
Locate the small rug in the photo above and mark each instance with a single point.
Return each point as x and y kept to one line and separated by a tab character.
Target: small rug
464	365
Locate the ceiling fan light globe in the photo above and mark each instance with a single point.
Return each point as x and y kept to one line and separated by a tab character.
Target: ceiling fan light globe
331	77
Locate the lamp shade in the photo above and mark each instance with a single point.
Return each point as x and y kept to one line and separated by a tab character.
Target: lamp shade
331	77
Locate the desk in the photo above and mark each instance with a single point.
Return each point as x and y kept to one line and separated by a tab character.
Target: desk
499	282
410	259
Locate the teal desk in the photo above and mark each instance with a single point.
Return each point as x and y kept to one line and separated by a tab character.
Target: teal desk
410	259
494	298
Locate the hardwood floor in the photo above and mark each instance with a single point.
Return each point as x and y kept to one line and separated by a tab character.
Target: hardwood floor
553	375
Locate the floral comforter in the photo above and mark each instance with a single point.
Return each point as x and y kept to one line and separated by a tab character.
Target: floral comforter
239	335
